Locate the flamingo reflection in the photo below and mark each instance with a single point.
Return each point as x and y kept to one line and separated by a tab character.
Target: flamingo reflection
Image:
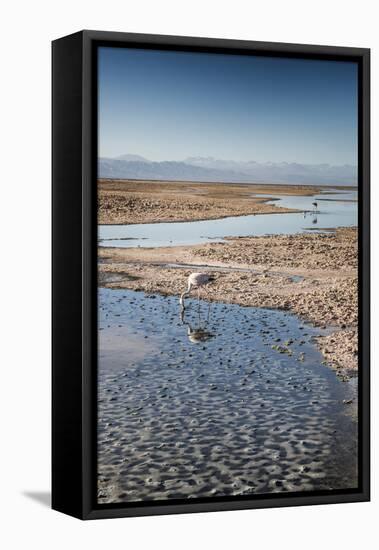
197	333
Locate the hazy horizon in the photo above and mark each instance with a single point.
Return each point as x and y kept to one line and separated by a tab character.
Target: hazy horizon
211	158
136	167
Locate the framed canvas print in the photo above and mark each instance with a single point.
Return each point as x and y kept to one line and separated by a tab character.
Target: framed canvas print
210	274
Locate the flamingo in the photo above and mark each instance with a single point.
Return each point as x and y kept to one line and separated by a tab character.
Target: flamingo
195	280
315	205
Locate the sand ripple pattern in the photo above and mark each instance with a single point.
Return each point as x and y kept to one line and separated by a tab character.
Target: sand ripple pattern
230	400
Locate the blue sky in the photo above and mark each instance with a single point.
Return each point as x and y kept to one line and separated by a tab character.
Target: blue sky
172	105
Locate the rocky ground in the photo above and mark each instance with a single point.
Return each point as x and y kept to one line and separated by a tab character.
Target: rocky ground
312	275
127	201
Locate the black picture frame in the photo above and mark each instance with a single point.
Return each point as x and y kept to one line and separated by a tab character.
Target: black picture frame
74	272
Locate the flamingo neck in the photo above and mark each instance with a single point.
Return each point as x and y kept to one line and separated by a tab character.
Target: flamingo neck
185	293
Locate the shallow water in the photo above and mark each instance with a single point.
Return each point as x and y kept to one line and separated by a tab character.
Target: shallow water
333	210
329	203
223	401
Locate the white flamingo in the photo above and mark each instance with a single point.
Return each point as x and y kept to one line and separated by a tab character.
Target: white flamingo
195	280
315	206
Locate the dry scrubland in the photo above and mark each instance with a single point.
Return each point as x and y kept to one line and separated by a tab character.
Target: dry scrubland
312	275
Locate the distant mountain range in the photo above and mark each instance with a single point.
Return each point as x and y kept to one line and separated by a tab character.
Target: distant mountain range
208	169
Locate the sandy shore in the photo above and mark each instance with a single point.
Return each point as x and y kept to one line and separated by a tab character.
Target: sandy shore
129	202
312	275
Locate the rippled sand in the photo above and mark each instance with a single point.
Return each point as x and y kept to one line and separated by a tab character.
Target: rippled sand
224	401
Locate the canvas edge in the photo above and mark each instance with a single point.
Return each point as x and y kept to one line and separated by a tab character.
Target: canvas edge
85	508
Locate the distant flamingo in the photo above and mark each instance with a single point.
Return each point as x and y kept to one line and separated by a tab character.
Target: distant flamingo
315	204
196	280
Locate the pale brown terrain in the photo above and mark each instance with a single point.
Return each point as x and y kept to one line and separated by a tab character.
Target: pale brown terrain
130	201
312	275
